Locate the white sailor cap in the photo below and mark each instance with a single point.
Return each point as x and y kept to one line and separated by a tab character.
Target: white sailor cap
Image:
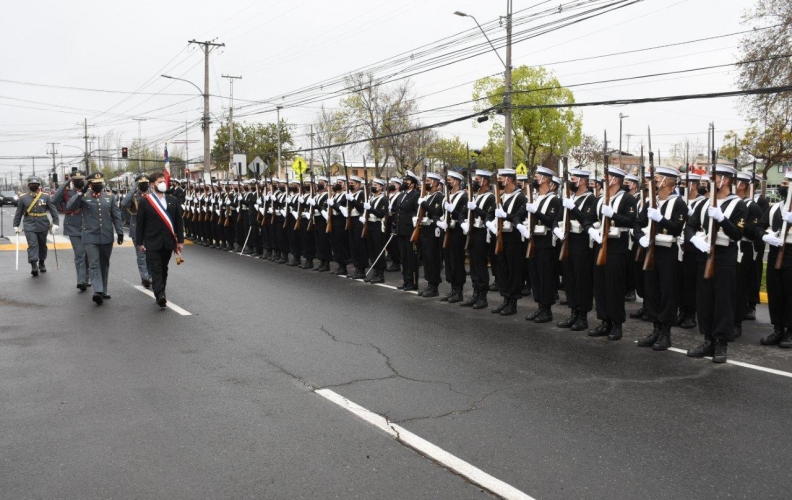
456	175
355	178
507	171
395	180
483	173
544	171
340	178
744	176
693	177
294	181
725	169
705	178
557	180
617	172
411	175
667	171
522	177
579	172
632	178
321	178
434	177
647	174
381	182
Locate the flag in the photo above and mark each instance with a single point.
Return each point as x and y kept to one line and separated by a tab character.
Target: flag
167	167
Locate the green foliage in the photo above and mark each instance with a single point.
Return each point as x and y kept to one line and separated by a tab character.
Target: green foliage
452	151
255	139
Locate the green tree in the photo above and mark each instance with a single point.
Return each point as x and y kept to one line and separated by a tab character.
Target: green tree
453	151
255	139
538	133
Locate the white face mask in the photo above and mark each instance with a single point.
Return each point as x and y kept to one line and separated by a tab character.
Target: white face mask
161	187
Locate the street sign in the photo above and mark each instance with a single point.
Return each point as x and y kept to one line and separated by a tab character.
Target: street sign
521	169
239	162
299	166
262	167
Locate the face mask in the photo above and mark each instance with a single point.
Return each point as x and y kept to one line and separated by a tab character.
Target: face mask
535	184
403	187
626	189
97	188
292	190
502	185
321	186
161	187
336	188
79	184
476	185
702	190
33	188
143	187
782	191
374	190
282	189
572	185
391	188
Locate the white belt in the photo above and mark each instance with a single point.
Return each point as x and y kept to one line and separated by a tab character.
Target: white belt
664	240
306	215
507	227
540	230
354	213
372	218
478	222
575	227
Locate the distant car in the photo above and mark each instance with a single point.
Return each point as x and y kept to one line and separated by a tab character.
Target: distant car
8	198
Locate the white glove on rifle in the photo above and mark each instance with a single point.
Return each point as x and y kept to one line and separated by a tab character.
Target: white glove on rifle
442	225
644	241
654	214
228	201
367	206
786	216
568	203
55	228
330	202
772	239
492	227
344	211
325	215
595	235
471	205
524	231
422	199
362	219
17	230
448	207
465	227
716	213
700	243
559	233
607	211
532	207
311	201
500	213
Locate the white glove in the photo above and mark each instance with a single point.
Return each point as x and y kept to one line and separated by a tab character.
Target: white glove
716	213
203	209
559	233
524	231
607	211
228	201
492	226
17	230
311	201
532	207
499	213
237	209
787	216
421	200
344	211
367	206
325	215
349	196
465	227
330	202
472	205
449	207
442	225
256	205
595	235
283	212
700	243
691	212
644	241
654	214
362	219
55	228
772	239
568	203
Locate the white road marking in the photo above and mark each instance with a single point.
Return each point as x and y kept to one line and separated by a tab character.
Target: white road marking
744	365
386	286
170	304
424	447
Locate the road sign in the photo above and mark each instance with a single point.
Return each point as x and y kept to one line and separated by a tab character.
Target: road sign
239	163
299	166
521	169
262	167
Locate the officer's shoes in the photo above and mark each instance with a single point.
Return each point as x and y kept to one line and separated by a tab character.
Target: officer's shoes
616	332
410	287
162	301
42	267
719	351
308	264
105	296
324	267
145	283
97	297
34	270
295	262
775	337
545	315
567	323
431	291
581	324
377	278
704	350
602	330
526	291
444	298
786	342
510	309
688	322
650	339
359	274
638	314
481	302
82	286
751	314
498	309
340	271
471	301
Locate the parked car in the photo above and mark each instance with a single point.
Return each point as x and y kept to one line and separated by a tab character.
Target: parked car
8	198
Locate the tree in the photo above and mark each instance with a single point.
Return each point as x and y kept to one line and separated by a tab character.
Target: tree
771	143
453	151
255	139
588	151
537	132
330	129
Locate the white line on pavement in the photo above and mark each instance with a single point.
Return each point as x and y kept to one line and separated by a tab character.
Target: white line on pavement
424	447
170	304
744	365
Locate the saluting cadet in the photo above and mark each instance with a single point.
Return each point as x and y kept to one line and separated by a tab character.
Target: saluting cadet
131	203
406	210
432	205
34	206
376	209
482	207
357	247
454	253
511	259
747	255
72	225
581	207
395	194
660	280
339	211
715	294
696	192
609	278
775	220
544	211
101	218
320	217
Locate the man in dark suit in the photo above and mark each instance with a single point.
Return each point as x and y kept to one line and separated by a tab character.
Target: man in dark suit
160	232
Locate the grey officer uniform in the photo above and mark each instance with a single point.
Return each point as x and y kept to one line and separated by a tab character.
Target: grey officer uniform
72	227
130	203
34	206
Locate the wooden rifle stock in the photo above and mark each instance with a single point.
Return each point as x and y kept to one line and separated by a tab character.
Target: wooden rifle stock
298	214
564	254
348	224
639	256
714	227
311	207
602	257
416	236
649	260
499	236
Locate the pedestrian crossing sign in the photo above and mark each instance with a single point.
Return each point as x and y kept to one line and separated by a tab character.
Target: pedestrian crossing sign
299	166
521	169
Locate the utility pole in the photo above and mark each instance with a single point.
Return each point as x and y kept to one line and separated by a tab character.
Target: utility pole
628	141
53	153
34	164
207	48
186	143
140	145
87	164
278	108
507	98
231	118
311	160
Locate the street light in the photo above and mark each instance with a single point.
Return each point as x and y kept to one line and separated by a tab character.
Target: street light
507	111
205	120
621	117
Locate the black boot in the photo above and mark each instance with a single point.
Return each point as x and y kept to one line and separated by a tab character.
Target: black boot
431	291
545	315
786	342
602	330
494	287
379	277
719	354
581	324
638	314
481	302
664	341
526	291
393	268
616	332
34	270
751	313
296	261
532	316
650	339
705	349
510	309
688	322
630	297
308	264
42	267
445	297
737	331
97	297
501	307
341	271
324	266
456	295
567	323
409	287
775	337
472	300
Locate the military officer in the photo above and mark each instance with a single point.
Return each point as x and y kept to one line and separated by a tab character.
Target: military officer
131	204
72	225
101	218
34	206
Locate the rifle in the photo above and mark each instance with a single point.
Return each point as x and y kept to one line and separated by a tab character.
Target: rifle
286	217
753	179
567	216
784	232
650	250
470	212
709	269
210	215
639	256
529	252
264	218
329	210
274	195
227	209
416	236
447	236
348	224
310	207
499	239
298	215
602	257
365	232
258	192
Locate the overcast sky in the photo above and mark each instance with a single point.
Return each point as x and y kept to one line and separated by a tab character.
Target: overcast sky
280	46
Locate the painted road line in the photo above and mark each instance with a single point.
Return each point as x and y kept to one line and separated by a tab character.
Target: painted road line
386	286
744	365
424	447
170	304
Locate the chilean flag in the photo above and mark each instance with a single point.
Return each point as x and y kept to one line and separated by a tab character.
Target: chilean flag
167	167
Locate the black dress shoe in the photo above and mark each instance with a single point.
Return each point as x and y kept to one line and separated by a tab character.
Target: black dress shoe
105	296
42	267
616	332
82	287
510	309
146	283
545	315
638	314
501	307
162	301
705	349
602	330
97	297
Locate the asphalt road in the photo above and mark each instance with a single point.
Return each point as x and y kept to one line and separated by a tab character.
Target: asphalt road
129	401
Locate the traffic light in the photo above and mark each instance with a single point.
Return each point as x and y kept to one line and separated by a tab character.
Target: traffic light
124	153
